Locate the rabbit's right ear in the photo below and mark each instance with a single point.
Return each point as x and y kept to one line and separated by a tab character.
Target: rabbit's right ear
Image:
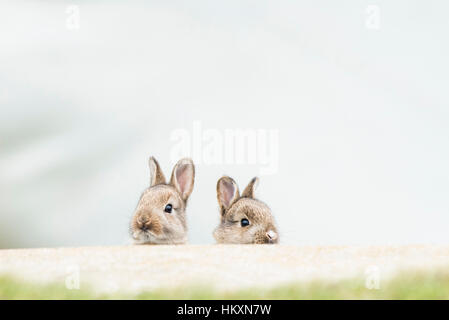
156	175
227	193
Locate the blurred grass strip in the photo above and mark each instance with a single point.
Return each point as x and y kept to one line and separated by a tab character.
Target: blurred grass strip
411	285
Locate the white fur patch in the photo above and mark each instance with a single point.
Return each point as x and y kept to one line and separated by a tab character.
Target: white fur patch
272	235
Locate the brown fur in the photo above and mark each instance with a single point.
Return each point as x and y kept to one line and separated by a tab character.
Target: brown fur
234	208
150	223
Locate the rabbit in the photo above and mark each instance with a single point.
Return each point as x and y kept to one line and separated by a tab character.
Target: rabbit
160	216
244	219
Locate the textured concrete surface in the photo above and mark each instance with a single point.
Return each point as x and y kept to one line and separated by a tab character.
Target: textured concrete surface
134	268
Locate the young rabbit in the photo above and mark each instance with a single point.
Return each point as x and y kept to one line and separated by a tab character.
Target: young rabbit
244	219
160	214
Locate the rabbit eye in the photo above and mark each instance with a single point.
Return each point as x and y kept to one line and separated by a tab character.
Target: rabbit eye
244	222
168	208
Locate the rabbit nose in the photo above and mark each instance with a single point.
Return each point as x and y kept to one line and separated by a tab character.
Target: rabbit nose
143	223
272	236
147	226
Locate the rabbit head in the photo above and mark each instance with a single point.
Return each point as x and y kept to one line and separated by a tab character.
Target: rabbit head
244	219
160	216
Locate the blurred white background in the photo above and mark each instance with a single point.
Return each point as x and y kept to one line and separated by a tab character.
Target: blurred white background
357	89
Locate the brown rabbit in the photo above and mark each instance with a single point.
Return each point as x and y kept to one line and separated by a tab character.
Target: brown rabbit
244	219
160	214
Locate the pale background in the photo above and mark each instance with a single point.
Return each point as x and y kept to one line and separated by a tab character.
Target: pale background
362	114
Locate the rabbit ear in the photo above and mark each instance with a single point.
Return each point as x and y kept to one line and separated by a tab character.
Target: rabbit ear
156	175
227	193
183	177
250	188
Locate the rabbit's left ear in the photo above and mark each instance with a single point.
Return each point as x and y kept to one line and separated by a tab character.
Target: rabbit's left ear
250	189
183	177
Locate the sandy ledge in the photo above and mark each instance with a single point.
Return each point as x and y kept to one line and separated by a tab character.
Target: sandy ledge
136	268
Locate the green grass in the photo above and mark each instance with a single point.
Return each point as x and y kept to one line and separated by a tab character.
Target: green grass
406	286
